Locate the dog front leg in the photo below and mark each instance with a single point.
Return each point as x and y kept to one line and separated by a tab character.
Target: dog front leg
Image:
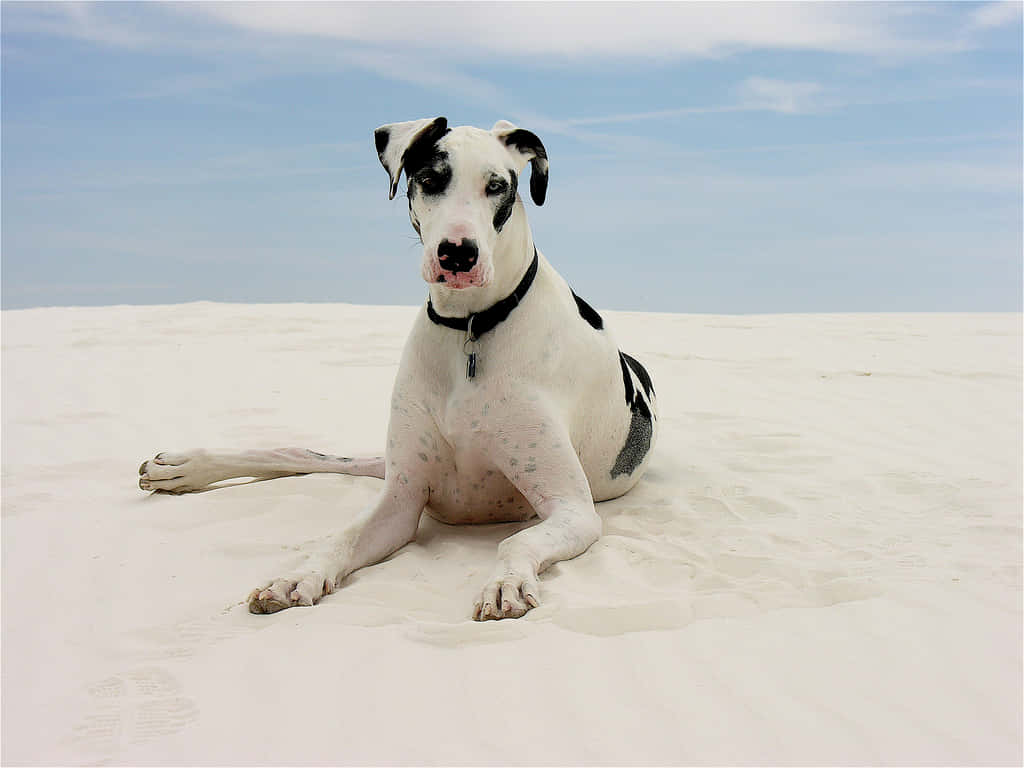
379	531
568	530
555	484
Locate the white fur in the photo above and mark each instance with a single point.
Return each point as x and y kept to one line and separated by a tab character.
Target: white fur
535	433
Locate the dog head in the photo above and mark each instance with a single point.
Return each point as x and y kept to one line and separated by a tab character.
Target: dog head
463	191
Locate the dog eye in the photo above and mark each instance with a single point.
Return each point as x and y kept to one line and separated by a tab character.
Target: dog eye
430	182
495	186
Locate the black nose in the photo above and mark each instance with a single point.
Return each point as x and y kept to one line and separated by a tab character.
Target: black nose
457	258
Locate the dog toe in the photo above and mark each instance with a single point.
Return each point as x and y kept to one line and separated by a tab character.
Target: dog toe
510	597
289	593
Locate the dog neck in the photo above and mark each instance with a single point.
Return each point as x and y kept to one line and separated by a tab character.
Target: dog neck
513	255
478	323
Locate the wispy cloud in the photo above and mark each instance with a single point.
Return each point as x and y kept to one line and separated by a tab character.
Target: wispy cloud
103	25
767	94
658	114
588	30
975	139
755	94
997	14
558	31
797	97
389	40
253	164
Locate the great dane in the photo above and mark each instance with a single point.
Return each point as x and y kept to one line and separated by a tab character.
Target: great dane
512	399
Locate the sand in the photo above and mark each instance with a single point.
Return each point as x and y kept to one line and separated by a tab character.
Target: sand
822	566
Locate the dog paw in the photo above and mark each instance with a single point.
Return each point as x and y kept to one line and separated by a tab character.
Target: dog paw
507	596
289	592
176	472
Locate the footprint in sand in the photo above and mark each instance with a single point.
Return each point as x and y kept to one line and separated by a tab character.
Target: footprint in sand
131	708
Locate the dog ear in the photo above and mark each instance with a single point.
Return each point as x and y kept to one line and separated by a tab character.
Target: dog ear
395	141
524	146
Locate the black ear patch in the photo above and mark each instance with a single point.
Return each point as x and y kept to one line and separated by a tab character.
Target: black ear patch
381	137
399	143
529	143
423	149
526	142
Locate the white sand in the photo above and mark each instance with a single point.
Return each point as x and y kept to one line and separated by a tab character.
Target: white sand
822	566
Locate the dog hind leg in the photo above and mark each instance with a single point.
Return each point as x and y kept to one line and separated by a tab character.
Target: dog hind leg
198	470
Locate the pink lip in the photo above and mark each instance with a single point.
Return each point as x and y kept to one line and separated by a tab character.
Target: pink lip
474	278
459	280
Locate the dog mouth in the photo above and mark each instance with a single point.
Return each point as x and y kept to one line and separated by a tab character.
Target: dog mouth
460	280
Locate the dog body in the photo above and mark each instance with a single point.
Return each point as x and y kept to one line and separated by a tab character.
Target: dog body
511	401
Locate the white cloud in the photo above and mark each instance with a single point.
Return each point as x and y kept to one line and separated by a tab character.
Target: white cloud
997	14
81	21
659	114
584	29
561	30
428	44
755	94
766	94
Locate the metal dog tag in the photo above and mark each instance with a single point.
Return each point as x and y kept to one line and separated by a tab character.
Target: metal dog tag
470	342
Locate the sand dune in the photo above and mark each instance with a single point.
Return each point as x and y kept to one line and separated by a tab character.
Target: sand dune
822	566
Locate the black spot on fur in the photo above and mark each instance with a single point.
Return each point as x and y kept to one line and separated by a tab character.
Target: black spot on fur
325	456
641	374
638	440
638	443
587	312
640	405
506	203
433	177
627	380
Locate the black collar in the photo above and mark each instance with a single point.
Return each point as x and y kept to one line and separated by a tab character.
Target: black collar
485	320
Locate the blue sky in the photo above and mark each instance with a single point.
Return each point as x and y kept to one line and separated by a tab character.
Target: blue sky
705	157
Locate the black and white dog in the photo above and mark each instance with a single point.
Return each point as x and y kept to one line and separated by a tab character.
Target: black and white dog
511	400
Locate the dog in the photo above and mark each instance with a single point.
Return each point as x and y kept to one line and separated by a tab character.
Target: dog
512	400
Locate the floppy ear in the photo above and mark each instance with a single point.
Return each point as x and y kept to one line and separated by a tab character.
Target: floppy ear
524	146
394	141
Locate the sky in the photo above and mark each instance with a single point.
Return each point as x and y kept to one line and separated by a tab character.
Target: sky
705	157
